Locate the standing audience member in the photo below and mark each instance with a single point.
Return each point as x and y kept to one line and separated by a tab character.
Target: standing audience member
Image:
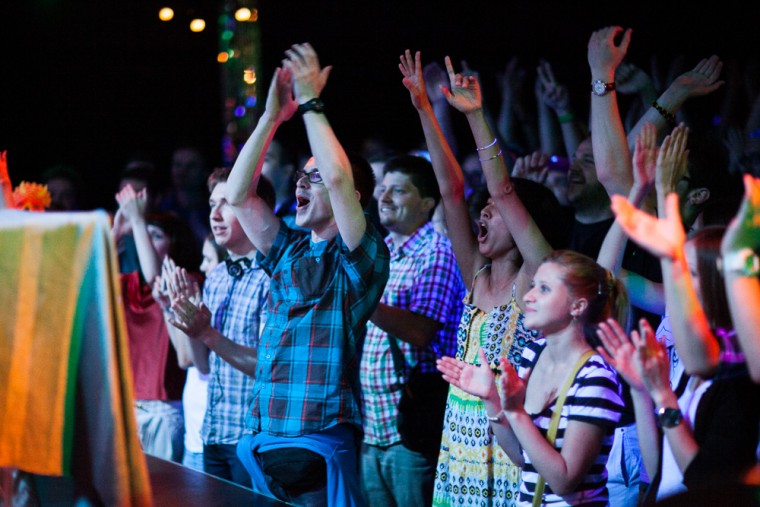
500	262
233	309
420	309
157	352
305	418
571	294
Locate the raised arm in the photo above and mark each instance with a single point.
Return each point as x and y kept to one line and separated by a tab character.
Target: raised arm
701	80
611	154
308	81
742	239
255	216
464	95
556	96
447	170
695	343
132	206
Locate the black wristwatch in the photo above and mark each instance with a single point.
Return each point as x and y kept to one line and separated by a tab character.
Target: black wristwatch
600	88
668	417
314	105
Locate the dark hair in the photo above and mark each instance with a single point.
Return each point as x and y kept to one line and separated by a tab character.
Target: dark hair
265	190
364	177
712	285
542	205
585	278
420	172
182	245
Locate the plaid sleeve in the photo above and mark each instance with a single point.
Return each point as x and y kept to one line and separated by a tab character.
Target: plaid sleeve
367	265
277	250
437	285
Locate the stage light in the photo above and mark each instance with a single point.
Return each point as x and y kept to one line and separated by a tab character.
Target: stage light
223	57
166	14
249	76
197	25
243	14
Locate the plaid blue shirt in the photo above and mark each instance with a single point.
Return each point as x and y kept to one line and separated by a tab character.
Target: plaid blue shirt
424	279
320	298
237	307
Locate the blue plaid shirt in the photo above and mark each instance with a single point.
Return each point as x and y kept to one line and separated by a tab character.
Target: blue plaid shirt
321	296
424	279
237	308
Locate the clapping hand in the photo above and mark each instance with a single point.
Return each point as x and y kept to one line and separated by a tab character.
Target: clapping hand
477	380
309	79
619	351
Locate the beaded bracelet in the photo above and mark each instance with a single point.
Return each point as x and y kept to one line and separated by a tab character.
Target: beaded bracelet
566	118
669	117
486	147
491	158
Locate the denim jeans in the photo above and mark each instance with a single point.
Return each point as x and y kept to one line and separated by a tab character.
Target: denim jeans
626	477
396	476
221	461
193	460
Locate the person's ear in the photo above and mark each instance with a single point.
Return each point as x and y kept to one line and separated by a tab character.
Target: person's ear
578	308
427	204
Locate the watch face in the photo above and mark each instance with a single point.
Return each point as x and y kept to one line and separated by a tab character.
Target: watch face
598	87
669	417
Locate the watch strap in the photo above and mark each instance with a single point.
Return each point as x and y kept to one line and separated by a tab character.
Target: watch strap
314	105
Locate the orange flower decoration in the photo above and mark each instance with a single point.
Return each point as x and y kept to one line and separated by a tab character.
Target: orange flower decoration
31	196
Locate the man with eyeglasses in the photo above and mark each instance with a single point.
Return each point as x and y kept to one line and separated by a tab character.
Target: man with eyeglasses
305	417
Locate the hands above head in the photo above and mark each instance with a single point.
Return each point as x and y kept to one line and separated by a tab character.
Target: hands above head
671	160
631	79
664	237
309	79
464	91
435	77
619	350
604	55
132	204
512	388
477	380
744	229
414	81
549	91
280	102
533	167
702	79
645	157
512	80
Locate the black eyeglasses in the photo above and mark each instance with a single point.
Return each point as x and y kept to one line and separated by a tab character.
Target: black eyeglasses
312	176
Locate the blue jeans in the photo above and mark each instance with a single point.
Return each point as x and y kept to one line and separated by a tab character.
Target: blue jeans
626	477
396	476
193	460
221	460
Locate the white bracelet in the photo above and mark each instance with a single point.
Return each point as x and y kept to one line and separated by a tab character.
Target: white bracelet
495	418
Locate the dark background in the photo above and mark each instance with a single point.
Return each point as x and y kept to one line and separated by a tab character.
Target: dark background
87	83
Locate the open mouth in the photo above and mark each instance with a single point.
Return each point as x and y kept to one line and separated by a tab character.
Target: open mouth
482	231
302	202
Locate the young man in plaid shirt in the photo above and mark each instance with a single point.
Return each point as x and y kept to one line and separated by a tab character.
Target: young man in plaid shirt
420	308
305	417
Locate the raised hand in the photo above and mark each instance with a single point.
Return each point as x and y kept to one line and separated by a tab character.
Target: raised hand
435	77
512	80
534	167
662	237
702	79
477	380
309	79
619	351
553	94
512	388
672	160
280	102
411	69
630	80
179	283
645	157
132	204
744	229
604	54
192	318
464	91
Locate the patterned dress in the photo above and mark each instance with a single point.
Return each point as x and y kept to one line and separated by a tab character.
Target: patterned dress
472	469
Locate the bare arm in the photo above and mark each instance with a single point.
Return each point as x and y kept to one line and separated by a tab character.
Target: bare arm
257	219
406	325
132	206
447	171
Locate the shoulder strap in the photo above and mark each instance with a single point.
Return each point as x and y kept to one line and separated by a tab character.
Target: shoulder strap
398	359
551	434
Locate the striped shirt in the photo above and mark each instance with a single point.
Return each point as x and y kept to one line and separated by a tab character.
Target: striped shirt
424	279
321	296
595	397
237	306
